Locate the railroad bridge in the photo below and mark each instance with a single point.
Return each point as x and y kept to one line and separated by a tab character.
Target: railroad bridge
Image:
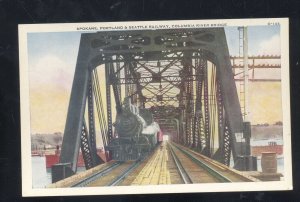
184	77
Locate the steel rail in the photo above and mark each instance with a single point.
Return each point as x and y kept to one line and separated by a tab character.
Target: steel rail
183	174
124	174
97	175
204	165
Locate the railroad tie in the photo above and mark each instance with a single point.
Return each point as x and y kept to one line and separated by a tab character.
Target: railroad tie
155	171
163	174
145	172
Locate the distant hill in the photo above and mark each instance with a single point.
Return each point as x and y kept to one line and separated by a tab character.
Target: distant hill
266	131
39	141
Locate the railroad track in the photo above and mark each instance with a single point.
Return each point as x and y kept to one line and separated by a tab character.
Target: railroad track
116	174
203	165
123	175
232	174
168	164
182	172
211	171
92	178
112	175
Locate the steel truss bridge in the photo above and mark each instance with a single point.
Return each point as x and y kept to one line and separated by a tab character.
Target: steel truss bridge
184	76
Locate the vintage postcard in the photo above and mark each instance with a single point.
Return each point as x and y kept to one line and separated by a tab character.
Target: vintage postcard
155	107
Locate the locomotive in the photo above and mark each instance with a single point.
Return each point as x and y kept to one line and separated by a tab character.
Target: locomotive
137	133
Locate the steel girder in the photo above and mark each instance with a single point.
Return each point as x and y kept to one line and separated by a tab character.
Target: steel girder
92	131
148	45
74	122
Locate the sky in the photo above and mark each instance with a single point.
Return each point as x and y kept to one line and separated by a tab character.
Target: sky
52	59
261	40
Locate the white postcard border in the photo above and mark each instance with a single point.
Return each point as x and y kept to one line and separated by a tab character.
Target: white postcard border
27	189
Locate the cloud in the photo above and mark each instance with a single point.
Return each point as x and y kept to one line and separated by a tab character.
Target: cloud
50	70
270	46
50	85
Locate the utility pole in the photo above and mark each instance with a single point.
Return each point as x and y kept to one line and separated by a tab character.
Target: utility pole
246	73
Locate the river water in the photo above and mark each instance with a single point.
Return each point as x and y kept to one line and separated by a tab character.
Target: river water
41	176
